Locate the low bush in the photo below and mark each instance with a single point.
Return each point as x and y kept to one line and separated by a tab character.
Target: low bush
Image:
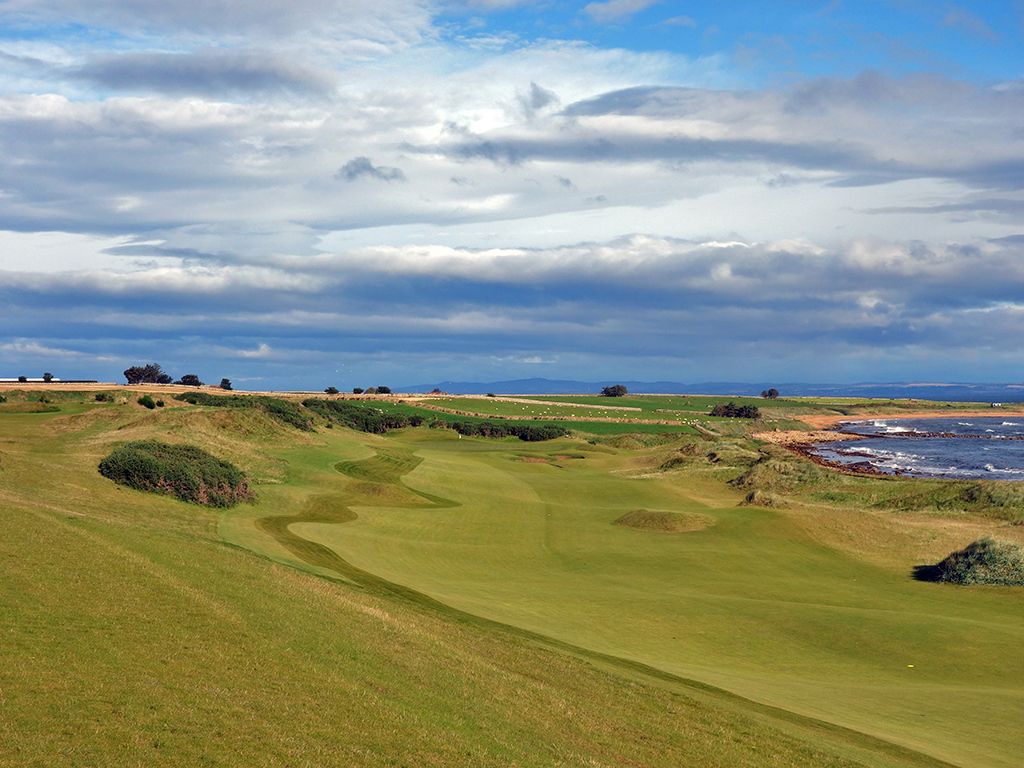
361	416
104	397
985	561
185	471
284	411
364	417
147	402
530	433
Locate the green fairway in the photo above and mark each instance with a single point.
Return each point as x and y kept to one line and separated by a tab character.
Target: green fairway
486	602
751	603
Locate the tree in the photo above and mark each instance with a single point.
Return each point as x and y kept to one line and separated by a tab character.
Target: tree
770	394
146	374
225	383
23	379
616	390
370	391
383	390
732	411
47	377
357	390
189	380
331	391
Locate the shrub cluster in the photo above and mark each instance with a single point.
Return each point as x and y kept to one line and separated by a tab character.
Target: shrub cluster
283	410
733	411
360	416
185	471
530	433
366	418
147	402
985	561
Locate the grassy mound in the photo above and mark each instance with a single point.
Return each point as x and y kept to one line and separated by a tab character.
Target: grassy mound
985	561
778	470
663	521
185	471
759	498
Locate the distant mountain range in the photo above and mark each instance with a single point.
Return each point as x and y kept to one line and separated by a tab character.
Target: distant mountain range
918	390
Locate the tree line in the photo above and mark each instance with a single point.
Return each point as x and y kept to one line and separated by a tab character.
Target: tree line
153	373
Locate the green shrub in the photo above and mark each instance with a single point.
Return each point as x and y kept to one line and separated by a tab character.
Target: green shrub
160	404
985	561
363	417
104	397
284	411
529	432
147	402
185	471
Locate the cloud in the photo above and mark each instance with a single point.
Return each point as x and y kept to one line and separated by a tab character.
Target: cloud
858	129
262	351
174	178
386	21
29	348
358	167
628	299
612	11
537	99
962	19
681	21
209	72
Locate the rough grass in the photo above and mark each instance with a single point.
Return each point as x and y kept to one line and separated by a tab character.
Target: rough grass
664	521
985	561
185	471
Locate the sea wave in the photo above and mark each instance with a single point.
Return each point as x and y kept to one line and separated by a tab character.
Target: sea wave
1003	470
935	447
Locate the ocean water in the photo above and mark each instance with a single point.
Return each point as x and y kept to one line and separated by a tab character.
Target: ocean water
990	447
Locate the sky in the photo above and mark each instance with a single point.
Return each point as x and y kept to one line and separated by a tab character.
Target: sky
326	193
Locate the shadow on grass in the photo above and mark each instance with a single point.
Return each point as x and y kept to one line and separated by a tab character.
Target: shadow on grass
927	573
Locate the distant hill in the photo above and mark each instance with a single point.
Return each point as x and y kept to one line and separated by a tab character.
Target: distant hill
919	390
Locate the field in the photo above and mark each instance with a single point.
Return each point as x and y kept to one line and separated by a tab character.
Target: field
425	599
